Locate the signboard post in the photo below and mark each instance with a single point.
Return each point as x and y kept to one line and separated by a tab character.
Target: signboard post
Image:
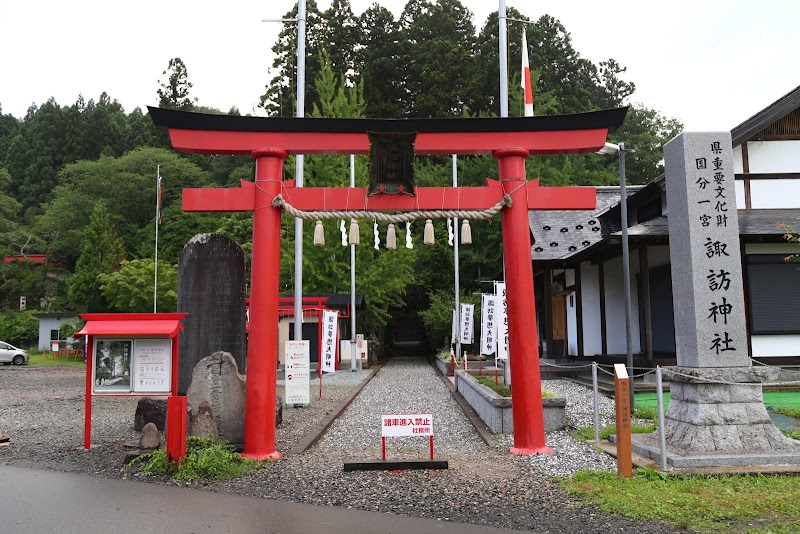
406	425
622	400
297	372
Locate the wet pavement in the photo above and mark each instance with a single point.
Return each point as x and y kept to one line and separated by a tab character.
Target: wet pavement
34	501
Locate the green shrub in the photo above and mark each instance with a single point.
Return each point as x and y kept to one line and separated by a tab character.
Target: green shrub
20	328
204	459
504	391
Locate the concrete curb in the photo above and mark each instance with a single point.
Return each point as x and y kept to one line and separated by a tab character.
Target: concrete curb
321	427
471	414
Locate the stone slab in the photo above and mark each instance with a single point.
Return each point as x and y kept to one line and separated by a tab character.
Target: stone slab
641	446
708	291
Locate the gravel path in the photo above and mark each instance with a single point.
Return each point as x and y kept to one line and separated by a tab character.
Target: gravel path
42	412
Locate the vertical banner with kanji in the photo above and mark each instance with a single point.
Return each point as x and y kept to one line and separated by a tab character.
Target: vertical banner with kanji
502	321
330	321
467	323
488	324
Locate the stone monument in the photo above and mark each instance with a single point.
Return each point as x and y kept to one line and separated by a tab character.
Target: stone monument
716	414
217	384
211	287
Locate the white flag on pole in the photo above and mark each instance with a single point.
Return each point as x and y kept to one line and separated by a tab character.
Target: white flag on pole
467	323
502	321
329	332
488	324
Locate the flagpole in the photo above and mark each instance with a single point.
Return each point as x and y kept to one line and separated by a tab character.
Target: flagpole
502	19
456	269
298	223
158	213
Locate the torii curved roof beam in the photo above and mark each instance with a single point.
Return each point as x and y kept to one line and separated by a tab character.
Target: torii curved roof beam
200	133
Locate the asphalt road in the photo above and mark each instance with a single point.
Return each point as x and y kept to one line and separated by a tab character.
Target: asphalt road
36	501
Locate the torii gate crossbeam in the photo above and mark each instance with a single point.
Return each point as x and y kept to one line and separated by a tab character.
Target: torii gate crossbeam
270	140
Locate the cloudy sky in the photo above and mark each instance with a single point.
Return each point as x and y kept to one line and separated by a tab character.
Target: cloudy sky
711	64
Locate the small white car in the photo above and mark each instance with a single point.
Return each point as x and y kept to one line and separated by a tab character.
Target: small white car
10	354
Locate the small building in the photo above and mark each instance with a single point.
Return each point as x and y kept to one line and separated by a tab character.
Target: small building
311	304
50	328
577	256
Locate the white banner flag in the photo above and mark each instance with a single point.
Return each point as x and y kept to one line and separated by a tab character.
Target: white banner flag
502	321
454	329
330	323
467	323
488	324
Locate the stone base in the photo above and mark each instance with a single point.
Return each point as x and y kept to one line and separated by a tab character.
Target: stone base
711	423
647	445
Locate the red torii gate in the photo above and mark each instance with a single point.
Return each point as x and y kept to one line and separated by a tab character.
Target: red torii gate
271	140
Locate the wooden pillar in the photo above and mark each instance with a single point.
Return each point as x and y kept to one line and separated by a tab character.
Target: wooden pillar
262	346
601	279
526	395
547	291
579	309
644	294
746	172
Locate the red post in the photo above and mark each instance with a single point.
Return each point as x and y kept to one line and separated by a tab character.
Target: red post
431	446
87	413
526	397
262	354
383	448
176	428
175	365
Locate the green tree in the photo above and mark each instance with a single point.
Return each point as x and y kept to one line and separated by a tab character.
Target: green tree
130	289
20	328
644	132
174	92
101	254
438	57
279	97
129	185
382	276
379	64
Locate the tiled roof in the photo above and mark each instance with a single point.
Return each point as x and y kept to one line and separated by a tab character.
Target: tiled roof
561	233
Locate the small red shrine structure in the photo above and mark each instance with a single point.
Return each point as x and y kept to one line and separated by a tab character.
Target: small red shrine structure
271	140
140	358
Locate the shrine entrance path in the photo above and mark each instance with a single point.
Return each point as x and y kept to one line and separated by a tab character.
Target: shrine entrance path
484	485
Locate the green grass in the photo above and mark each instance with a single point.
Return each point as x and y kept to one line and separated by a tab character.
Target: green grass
204	460
37	359
587	433
503	390
738	503
791	412
777	400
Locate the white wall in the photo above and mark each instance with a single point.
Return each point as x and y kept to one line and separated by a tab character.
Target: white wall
773	156
590	302
615	306
738	166
739	188
775	345
572	324
781	193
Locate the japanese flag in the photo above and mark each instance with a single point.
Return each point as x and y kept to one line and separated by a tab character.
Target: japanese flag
526	77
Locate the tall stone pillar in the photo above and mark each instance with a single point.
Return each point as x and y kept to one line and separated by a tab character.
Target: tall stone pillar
211	288
716	414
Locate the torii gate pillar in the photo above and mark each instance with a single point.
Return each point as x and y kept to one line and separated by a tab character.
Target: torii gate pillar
527	414
260	394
